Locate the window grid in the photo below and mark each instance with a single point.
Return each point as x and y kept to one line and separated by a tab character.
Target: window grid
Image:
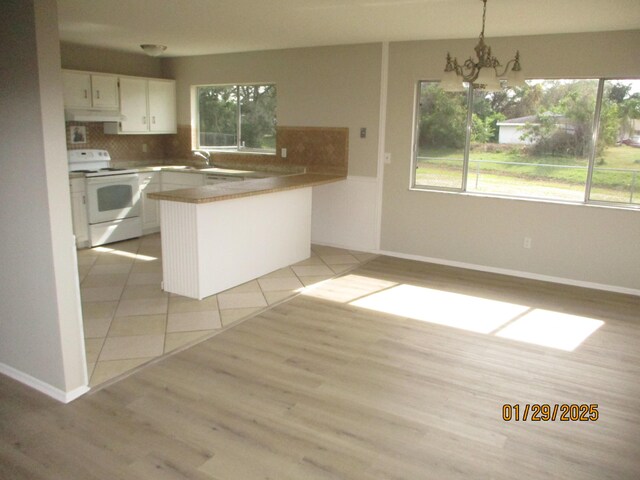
464	184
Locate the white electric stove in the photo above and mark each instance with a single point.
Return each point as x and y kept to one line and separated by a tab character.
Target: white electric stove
94	163
113	197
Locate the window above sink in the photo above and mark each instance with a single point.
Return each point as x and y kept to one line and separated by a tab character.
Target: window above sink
234	118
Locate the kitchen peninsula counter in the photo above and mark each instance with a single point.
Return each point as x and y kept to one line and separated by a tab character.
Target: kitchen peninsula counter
219	236
231	190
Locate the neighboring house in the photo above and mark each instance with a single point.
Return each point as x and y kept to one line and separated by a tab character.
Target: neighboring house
635	131
511	130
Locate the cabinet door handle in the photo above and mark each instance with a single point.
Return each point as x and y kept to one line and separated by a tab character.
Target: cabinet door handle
85	94
144	120
153	119
84	199
98	94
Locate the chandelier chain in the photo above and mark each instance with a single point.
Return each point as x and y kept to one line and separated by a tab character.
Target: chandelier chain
484	16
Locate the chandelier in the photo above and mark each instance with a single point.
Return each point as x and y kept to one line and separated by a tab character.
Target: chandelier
483	73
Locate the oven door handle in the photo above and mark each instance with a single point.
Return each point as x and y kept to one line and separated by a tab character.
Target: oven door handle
124	178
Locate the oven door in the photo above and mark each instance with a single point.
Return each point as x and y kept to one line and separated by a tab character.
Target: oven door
113	197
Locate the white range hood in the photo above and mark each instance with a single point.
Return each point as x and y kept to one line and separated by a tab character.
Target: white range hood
78	115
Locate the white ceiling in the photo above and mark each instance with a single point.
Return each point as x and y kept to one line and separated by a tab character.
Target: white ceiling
196	27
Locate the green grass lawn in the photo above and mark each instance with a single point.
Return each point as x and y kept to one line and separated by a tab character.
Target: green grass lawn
556	170
621	156
502	184
552	177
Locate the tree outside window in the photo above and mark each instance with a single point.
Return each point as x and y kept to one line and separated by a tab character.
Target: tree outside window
535	141
237	117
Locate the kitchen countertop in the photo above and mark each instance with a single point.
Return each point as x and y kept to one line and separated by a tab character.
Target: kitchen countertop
230	190
214	170
197	170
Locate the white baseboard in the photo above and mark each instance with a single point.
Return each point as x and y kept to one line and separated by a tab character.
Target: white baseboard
151	230
514	273
43	387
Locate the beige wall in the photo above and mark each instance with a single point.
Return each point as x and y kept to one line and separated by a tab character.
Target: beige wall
317	87
41	339
340	86
80	57
575	242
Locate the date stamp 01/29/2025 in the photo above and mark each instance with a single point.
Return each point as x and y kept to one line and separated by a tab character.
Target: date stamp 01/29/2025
544	412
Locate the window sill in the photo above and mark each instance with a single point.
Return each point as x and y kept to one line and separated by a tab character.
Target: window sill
593	204
236	152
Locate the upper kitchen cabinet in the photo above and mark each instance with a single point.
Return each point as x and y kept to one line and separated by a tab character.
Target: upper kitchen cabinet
162	106
133	105
147	105
90	91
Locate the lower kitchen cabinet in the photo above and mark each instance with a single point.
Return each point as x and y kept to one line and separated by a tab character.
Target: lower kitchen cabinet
149	183
79	211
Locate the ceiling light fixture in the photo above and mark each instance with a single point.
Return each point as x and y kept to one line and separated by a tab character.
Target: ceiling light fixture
153	50
483	74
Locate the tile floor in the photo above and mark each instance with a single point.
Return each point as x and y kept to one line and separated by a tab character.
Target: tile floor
129	320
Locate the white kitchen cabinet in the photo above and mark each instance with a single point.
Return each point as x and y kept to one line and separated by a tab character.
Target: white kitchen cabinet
79	211
162	106
104	91
147	106
90	91
149	182
133	105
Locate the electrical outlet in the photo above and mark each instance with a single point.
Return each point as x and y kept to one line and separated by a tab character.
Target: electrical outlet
387	158
527	242
363	132
145	148
283	152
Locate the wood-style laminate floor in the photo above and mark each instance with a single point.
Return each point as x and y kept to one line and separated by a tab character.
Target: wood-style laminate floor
398	370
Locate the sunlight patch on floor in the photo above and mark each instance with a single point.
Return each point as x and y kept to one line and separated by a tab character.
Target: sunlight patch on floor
551	329
122	253
346	289
523	323
467	312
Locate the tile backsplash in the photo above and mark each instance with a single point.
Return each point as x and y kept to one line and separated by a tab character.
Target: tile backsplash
120	147
311	149
318	149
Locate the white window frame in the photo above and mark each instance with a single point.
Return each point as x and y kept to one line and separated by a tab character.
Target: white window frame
465	168
222	148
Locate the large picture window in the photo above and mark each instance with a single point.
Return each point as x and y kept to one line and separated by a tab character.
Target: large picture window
536	141
236	117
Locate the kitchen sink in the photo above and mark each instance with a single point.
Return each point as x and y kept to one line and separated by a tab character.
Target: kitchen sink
225	171
228	172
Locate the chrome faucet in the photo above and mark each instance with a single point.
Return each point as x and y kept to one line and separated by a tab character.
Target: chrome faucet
204	155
